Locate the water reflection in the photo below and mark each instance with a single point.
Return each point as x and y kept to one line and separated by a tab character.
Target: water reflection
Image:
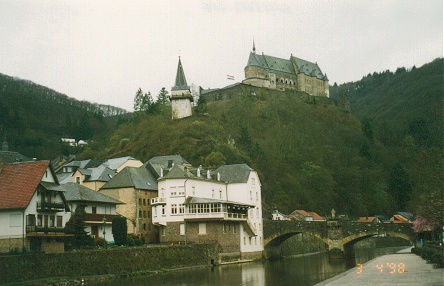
302	270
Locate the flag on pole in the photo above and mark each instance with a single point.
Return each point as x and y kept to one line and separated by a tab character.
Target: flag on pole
230	77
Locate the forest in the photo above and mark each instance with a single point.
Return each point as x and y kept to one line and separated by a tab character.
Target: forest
373	148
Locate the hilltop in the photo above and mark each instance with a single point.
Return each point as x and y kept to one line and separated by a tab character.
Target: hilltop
310	152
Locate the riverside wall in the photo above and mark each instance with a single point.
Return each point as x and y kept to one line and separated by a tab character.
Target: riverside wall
118	261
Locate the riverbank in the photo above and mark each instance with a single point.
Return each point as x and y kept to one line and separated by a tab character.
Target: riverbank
402	268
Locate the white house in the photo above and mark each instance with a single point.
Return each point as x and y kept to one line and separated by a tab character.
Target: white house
99	209
222	206
32	208
277	215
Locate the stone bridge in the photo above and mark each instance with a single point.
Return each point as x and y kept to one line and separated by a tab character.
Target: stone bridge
339	236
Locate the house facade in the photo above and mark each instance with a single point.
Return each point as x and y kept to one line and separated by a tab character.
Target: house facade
32	208
134	187
292	74
99	209
222	206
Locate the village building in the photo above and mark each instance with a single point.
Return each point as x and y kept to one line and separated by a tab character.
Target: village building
32	208
223	206
181	97
99	209
302	215
402	217
277	215
285	74
134	187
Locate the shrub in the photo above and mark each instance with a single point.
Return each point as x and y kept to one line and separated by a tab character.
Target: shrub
119	229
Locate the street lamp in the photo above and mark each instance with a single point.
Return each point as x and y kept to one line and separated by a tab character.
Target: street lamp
104	231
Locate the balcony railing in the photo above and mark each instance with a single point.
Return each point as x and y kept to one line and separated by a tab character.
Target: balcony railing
98	218
50	206
158	201
216	215
44	229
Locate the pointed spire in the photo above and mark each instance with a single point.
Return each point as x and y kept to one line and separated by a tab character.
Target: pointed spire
181	82
254	47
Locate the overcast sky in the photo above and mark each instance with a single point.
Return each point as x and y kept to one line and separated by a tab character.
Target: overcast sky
103	51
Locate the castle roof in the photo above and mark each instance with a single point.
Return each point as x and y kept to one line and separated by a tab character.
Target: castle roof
271	63
181	81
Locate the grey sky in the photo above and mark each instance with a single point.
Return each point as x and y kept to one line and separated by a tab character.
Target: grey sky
103	51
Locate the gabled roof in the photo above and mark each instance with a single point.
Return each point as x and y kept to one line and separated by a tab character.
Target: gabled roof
155	164
11	157
237	173
78	193
101	173
177	172
132	177
19	181
181	81
115	163
284	65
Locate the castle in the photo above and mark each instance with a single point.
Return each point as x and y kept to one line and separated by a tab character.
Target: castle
294	73
261	71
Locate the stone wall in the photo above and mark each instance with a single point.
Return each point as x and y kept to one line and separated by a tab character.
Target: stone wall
18	268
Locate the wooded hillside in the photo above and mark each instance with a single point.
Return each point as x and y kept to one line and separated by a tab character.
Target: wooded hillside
312	154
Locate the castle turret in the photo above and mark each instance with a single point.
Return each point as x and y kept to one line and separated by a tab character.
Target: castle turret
181	97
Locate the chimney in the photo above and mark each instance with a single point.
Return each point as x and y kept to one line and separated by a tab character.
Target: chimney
218	176
208	174
170	163
198	171
185	171
161	172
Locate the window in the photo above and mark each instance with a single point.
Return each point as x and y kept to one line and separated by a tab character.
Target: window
51	220
173	191
59	221
163	210
144	202
181	191
94	210
257	196
144	226
220	194
194	190
181	208
251	195
182	229
140	201
144	213
15	220
140	213
202	228
39	220
30	219
212	193
78	180
173	209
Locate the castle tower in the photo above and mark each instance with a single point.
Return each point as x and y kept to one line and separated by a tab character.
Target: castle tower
181	97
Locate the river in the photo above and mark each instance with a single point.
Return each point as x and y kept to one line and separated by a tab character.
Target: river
296	270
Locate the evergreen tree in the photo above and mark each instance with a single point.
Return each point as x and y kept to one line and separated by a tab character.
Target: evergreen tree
76	226
162	98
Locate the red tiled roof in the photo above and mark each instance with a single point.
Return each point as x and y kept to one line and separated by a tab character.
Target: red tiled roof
18	182
366	219
316	216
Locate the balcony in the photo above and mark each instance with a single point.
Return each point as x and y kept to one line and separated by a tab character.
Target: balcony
216	216
98	218
158	201
30	229
50	206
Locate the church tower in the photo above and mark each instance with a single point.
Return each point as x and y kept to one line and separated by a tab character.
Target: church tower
181	97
